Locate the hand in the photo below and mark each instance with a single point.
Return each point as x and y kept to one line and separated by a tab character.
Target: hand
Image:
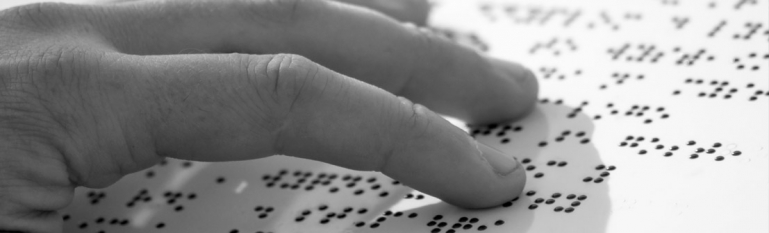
90	93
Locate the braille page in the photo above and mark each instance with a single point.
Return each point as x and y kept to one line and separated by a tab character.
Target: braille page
653	117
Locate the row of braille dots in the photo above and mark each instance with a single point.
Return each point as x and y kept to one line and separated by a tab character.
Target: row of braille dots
646	51
502	132
573	198
621	78
151	173
740	63
638	111
323	179
463	223
606	20
720	25
601	176
381	219
531	167
680	22
547	73
669	2
416	197
565	134
532	14
752	28
721	87
95	196
98	221
689	59
554	45
631	141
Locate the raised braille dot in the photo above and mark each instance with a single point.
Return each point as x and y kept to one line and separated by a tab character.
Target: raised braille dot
600	167
558	209
668	154
550	163
556	195
694	156
438	217
473	220
598	180
531	193
299	219
587	179
633	144
542	144
431	223
719	158
160	225
362	211
539	175
691	143
360	224
642	152
463	219
568	210
539	200
375	225
499	222
530	167
481	227
435	230
611	168
467	226
549	201
532	206
383	194
412	215
736	153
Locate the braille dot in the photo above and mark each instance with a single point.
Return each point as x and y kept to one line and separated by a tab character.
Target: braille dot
556	195
600	167
473	220
539	200
388	213
375	225
623	144
604	174
736	153
412	215
499	222
467	226
220	180
711	151
542	144
575	203
694	156
568	210
674	148
558	209
481	227
383	194
262	215
531	193
642	152
322	207
587	179
598	180
526	160
463	219
450	231
611	168
299	219
691	143
659	147
719	158
438	217
332	214
530	167
333	189
562	163
549	201
634	144
700	150
360	224
160	225
435	230
324	221
179	208
581	197
358	192
550	163
398	214
431	223
717	145
382	219
65	217
362	211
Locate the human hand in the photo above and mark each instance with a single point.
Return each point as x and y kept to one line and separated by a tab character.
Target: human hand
90	93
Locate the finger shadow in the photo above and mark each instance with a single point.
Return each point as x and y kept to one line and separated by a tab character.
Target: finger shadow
554	144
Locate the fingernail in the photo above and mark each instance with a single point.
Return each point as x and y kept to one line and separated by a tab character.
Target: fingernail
501	163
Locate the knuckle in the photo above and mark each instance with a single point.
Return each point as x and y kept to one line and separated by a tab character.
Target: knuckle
287	76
